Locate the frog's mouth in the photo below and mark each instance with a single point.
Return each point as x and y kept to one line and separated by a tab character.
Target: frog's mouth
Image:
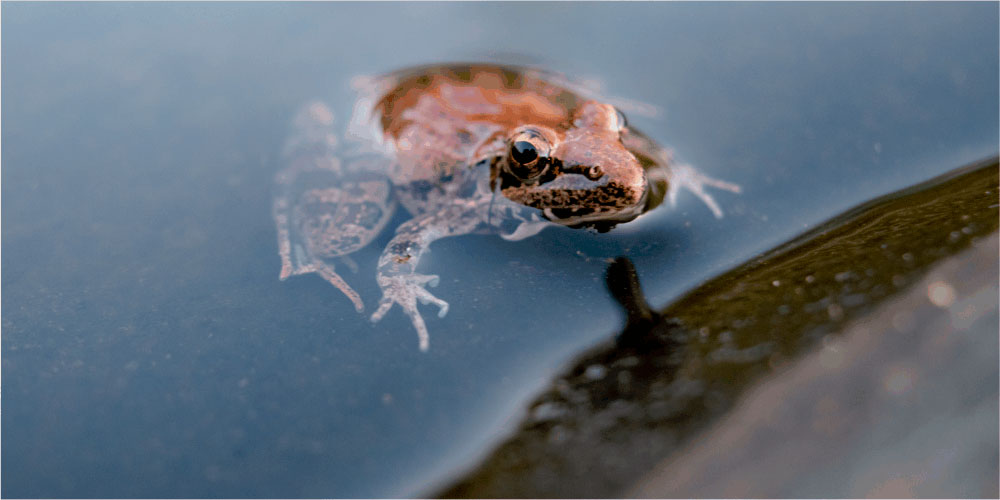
576	201
601	219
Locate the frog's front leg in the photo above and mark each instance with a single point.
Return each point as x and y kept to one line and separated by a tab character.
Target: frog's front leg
675	176
397	275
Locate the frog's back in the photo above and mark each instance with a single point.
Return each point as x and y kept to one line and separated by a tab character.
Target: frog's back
501	95
451	111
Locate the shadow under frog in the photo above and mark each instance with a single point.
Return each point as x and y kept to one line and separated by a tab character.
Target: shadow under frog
464	149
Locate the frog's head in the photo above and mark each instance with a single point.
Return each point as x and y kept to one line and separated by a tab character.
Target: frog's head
580	176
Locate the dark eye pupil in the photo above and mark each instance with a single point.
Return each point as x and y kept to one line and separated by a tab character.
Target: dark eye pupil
523	152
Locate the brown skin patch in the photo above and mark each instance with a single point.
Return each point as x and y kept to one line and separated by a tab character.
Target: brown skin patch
475	93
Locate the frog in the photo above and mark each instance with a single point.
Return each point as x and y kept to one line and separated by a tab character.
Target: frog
464	148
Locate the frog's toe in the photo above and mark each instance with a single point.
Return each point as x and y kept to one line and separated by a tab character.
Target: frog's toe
423	338
426	279
383	307
334	279
406	291
426	297
685	176
410	308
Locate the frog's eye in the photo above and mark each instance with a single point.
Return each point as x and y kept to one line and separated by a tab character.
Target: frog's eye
622	122
529	153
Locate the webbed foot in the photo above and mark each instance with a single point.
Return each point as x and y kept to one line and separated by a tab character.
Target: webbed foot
406	290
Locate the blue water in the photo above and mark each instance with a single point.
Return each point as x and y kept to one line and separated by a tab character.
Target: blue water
148	347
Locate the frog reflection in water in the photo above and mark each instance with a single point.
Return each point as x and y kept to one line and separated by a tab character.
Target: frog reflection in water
464	149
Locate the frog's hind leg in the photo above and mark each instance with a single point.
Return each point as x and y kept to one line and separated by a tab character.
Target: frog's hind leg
326	206
294	259
298	263
284	240
665	170
309	148
326	272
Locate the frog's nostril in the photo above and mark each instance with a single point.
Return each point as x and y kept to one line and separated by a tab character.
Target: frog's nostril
594	173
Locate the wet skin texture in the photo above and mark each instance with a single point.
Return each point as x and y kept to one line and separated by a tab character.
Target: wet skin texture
464	149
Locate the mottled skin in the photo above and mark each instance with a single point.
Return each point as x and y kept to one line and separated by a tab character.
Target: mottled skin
465	149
